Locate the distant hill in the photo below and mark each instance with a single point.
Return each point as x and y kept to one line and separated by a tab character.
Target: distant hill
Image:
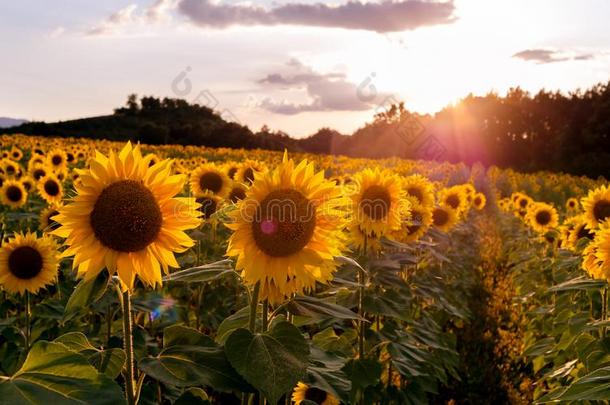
6	122
528	132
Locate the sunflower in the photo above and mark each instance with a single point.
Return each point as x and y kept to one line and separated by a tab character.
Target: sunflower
419	187
572	204
39	171
523	202
597	206
358	238
596	255
478	201
57	159
50	188
542	217
444	218
27	263
125	218
246	171
46	222
232	170
378	202
418	225
13	194
304	392
28	183
210	178
10	168
209	204
288	230
237	193
579	231
454	198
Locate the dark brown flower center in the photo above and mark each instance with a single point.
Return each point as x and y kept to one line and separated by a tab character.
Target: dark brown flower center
376	202
56	160
523	203
284	223
25	262
69	157
249	175
237	193
10	169
543	217
477	201
440	217
39	174
316	395
208	206
417	219
51	187
14	194
601	210
583	232
52	224
232	171
210	181
453	201
416	192
126	216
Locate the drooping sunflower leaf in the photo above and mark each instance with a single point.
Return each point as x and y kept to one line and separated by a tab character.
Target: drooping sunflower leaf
85	294
54	374
108	361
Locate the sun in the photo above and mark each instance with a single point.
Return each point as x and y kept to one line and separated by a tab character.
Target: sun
125	217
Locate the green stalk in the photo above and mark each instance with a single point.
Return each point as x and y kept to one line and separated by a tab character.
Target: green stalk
253	306
604	309
128	342
28	314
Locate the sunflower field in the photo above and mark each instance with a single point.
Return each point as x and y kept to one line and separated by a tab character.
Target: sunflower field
188	275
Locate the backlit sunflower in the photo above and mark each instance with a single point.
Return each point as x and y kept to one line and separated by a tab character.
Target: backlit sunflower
125	218
478	201
444	218
288	230
417	226
13	194
246	171
27	263
597	206
421	188
596	256
454	198
358	238
50	188
39	171
46	222
378	202
542	217
209	178
579	231
304	392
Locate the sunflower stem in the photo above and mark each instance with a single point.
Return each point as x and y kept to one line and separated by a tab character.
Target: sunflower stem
265	316
253	306
28	313
604	309
128	342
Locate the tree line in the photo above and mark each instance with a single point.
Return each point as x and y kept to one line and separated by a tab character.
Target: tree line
549	130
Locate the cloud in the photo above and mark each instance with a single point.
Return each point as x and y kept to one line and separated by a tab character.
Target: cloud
383	16
325	91
57	32
128	16
542	56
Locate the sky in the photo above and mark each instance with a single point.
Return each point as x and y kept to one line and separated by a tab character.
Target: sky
294	65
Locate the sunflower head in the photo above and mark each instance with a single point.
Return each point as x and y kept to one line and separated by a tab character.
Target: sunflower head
46	221
478	201
13	194
209	204
237	193
125	218
57	159
288	230
572	204
444	218
418	224
542	217
454	197
420	188
378	203
210	179
303	392
50	189
597	206
247	170
27	263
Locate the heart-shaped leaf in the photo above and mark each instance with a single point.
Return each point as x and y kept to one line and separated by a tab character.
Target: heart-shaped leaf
272	362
